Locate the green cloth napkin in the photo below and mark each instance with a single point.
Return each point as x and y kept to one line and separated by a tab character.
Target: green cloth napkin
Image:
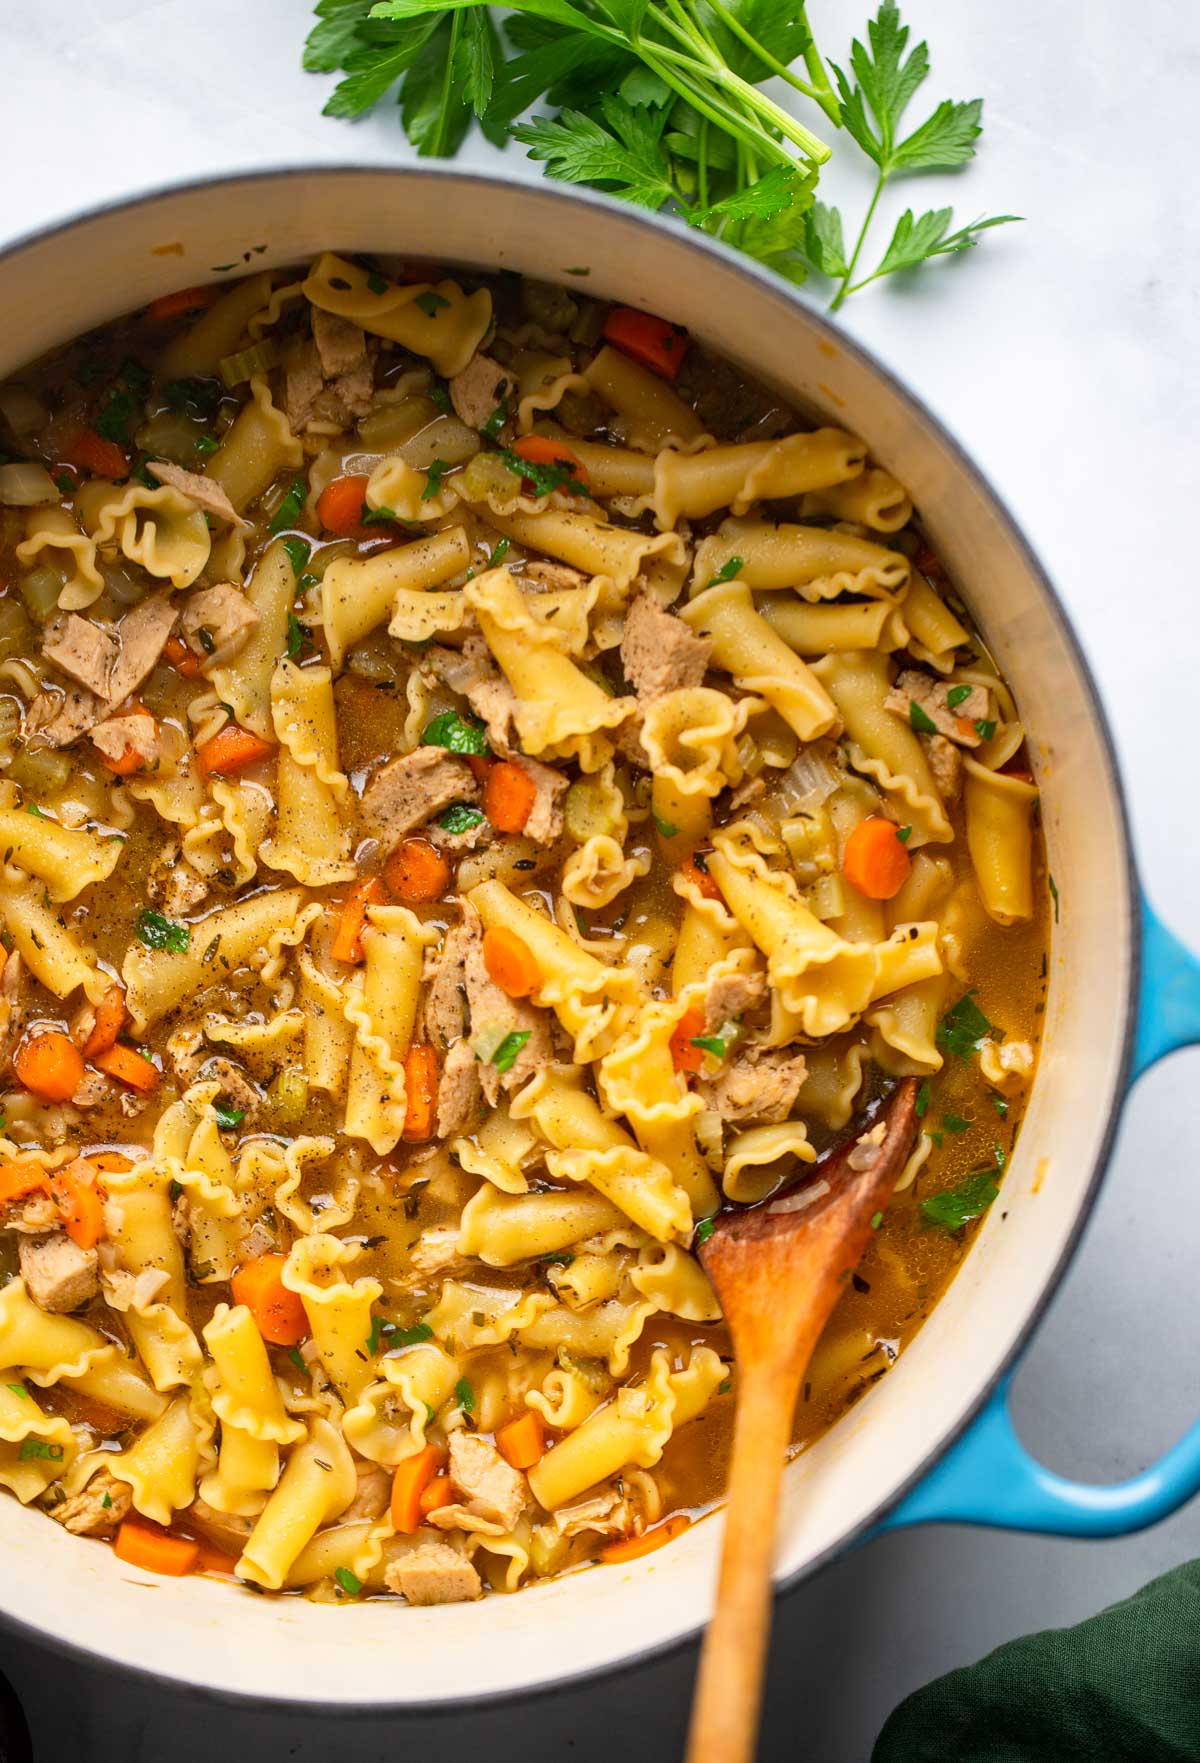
1122	1687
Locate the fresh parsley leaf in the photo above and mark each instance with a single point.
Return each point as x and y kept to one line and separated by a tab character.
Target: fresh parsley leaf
228	1119
1000	1104
963	1028
824	242
371	1344
198	397
560	1259
955	1122
18	1389
663	827
1000	1156
732	566
954	1207
457	735
297	1358
496	422
704	1230
38	813
433	477
500	552
288	512
374	67
31	1449
299	551
158	932
464	1395
921	722
296	633
437	394
505	1056
985	728
711	1044
336	36
904	834
544	478
349	1582
924	1093
382	516
876	1220
622	154
412	1337
206	444
916	240
460	817
431	303
65	484
957	695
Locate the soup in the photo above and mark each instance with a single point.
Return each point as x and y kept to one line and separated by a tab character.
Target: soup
485	787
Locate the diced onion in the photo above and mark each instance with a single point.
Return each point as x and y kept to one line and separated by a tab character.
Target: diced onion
287	1094
40	589
389	425
446	439
42	773
24	484
587	809
260	358
710	1137
809	780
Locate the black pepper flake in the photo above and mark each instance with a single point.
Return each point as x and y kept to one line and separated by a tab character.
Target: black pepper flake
859	1283
525	863
807	1391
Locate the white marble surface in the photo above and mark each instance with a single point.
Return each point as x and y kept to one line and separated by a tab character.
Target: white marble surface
1062	353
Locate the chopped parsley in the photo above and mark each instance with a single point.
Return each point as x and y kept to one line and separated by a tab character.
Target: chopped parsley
505	1056
460	817
199	397
299	551
500	552
955	1123
296	634
411	1337
560	1259
921	722
18	1389
64	483
955	1207
121	405
288	512
32	808
1053	894
31	1448
923	1095
963	1028
957	695
713	1044
544	478
457	734
904	834
664	827
297	1358
731	567
876	1220
228	1119
158	932
431	303
985	728
376	284
465	1396
704	1230
1000	1105
724	1387
175	1191
496	420
207	444
433	479
349	1582
437	394
106	1502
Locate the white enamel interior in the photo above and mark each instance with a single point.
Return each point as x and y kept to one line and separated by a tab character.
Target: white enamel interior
202	1632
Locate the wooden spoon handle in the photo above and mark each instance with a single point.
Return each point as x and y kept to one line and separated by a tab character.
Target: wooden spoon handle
729	1688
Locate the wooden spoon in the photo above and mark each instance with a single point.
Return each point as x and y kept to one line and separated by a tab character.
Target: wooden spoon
778	1271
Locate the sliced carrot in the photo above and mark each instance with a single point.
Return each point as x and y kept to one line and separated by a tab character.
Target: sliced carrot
875	861
700	879
214	1560
684	1056
108	1022
154	1549
49	1064
128	1066
656	344
630	1548
965	727
278	1314
342	505
522	1443
232	750
18	1180
545	450
74	1192
420	1091
508	796
180	657
478	765
511	962
438	1493
352	920
417	873
129	762
115	1161
181	302
411	1479
92	453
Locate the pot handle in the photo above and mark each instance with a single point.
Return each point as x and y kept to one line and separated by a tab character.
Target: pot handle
988	1477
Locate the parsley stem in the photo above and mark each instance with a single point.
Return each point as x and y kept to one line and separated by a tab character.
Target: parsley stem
845	286
702	162
823	92
442	148
825	99
714	69
662	61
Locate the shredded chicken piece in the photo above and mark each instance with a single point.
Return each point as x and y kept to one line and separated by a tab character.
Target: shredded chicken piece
658	651
205	492
59	1276
433	1573
932	696
459	1091
472	672
216	622
545	823
96	1509
494	1015
479	389
407	791
55	720
117	736
759	1085
490	1487
945	762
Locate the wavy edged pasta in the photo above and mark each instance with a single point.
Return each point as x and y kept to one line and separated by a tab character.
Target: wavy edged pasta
759	661
52	536
438	321
819	563
161	530
357	594
734	477
311	840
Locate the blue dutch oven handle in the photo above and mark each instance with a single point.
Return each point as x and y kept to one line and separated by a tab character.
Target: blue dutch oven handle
987	1476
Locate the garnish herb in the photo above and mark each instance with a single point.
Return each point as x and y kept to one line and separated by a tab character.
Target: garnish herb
963	1028
299	551
544	478
1000	1105
732	567
921	722
711	1044
18	1389
500	553
505	1056
904	834
955	1123
465	1396
922	1103
122	403
296	633
985	728
32	808
376	284
456	734
663	827
433	479
228	1119
349	1582
65	484
437	394
704	1230
876	1220
158	932
496	420
39	1448
380	517
561	1259
955	1207
957	695
288	512
412	1337
207	444
460	817
662	103
297	1358
372	1340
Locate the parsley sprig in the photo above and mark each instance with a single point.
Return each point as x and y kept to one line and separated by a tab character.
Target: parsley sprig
661	102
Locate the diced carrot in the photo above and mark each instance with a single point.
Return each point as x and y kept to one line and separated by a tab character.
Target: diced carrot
522	1443
438	1493
545	450
18	1180
213	1560
181	302
411	1479
629	1548
656	344
875	861
104	1161
352	920
74	1192
278	1314
417	872
965	726
231	750
92	453
180	657
700	879
479	766
509	794
511	962
684	1056
129	762
49	1064
342	504
108	1022
128	1066
420	1091
154	1550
